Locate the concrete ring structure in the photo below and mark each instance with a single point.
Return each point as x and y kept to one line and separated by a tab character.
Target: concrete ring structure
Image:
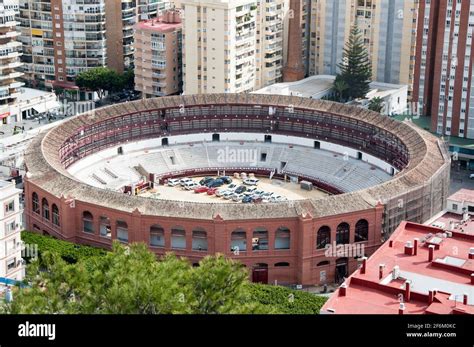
295	233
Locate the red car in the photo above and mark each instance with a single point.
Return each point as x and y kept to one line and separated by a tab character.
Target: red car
212	191
202	189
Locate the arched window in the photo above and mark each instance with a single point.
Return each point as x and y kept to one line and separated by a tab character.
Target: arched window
157	236
282	238
361	231
199	239
323	263
55	211
105	227
260	239
323	237
342	233
282	264
122	231
45	206
87	222
238	241
35	203
178	237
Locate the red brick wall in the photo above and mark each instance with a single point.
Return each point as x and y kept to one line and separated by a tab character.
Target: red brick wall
302	256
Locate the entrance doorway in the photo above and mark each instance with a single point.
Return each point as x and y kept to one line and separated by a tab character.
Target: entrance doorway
260	273
342	269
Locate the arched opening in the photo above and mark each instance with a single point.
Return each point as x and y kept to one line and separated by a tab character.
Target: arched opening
122	231
178	238
342	269
55	214
87	222
323	263
35	203
282	238
105	227
260	273
199	239
323	237
260	239
238	240
45	207
361	231
282	264
342	233
157	236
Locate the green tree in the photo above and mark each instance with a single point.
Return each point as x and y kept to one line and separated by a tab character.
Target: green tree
99	80
355	69
128	79
339	88
376	104
130	280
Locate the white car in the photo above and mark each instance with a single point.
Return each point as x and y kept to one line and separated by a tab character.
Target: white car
191	185
173	182
237	197
221	192
251	181
471	176
228	195
184	180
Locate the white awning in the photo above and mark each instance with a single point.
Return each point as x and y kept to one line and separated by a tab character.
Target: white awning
40	108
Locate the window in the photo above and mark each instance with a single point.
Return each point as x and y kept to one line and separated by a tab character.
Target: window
88	222
55	211
105	228
122	231
178	238
260	239
282	264
157	236
238	240
361	231
35	203
45	206
10	206
10	227
323	237
11	264
455	207
342	233
282	238
199	239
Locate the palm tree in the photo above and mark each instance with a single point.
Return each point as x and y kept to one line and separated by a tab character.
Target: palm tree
339	87
376	104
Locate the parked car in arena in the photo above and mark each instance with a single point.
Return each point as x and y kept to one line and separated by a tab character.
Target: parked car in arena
237	197
201	189
216	183
228	195
221	192
251	181
205	181
247	199
184	180
173	182
211	191
240	189
191	185
226	179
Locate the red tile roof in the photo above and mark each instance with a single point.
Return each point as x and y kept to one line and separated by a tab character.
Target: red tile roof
449	273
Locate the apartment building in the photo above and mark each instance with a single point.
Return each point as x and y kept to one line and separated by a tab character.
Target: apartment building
388	28
10	52
444	66
62	38
158	55
11	264
232	46
121	16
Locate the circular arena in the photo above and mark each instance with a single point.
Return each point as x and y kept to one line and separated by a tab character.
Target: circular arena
102	176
